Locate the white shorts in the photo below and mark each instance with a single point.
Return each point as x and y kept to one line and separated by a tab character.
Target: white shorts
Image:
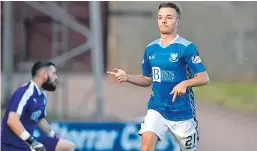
184	132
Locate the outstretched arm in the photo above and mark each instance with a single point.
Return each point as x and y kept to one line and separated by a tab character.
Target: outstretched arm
138	80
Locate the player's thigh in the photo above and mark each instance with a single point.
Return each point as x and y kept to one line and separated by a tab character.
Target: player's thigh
186	134
154	122
64	145
49	143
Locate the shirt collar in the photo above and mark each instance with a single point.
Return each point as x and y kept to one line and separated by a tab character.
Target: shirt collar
172	41
38	89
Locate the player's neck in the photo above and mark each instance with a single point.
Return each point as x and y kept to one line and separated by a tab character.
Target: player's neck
38	83
167	38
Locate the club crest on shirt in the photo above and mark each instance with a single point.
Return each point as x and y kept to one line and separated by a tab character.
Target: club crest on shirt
173	57
196	59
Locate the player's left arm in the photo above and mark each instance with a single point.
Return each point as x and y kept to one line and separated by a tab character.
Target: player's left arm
43	123
45	127
200	79
196	66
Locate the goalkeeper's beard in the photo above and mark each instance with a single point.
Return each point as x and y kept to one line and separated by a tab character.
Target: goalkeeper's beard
48	85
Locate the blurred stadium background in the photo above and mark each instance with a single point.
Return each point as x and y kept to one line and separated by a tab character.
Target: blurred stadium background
85	39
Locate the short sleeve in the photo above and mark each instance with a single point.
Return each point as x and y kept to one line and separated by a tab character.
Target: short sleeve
146	68
20	101
193	59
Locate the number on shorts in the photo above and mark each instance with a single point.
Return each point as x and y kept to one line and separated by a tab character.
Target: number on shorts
190	140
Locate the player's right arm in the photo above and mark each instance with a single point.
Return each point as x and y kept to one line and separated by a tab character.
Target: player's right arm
17	109
138	80
143	80
15	124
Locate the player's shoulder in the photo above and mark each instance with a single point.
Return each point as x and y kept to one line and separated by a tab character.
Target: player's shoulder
184	42
153	43
27	89
152	46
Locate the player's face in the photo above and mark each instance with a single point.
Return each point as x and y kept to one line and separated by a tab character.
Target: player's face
167	20
51	79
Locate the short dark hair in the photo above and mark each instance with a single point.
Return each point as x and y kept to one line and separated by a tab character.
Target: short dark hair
40	64
171	5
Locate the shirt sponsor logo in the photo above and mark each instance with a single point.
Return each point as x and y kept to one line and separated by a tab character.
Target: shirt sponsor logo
196	59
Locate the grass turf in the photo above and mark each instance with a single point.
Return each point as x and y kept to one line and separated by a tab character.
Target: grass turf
236	95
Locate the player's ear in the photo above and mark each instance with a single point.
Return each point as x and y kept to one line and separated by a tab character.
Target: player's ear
43	73
178	22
